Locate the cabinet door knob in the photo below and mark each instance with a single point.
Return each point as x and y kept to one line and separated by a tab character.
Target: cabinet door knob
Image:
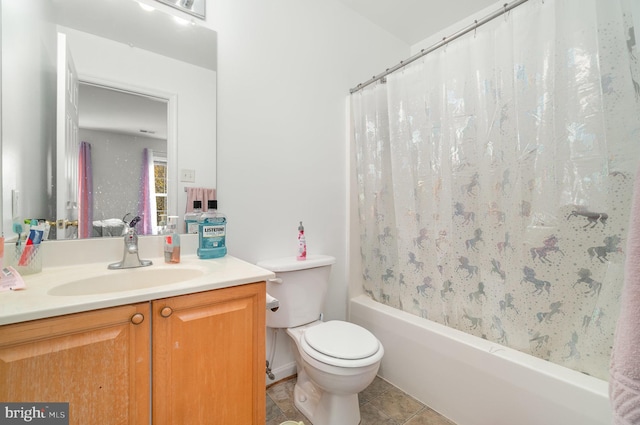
137	318
166	312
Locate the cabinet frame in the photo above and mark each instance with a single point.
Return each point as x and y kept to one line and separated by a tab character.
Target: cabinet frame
112	368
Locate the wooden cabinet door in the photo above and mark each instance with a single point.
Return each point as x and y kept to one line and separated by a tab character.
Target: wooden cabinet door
209	357
96	361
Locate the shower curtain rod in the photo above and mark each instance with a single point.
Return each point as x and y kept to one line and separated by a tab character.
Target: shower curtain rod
445	40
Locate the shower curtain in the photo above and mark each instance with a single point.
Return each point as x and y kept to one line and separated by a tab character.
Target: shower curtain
495	176
85	190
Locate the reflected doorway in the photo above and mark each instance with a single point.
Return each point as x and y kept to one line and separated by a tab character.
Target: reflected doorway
126	134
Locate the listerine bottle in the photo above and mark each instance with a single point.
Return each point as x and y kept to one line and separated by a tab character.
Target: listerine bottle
192	217
212	231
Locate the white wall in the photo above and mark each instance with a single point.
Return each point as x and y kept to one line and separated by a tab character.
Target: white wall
285	70
28	108
466	22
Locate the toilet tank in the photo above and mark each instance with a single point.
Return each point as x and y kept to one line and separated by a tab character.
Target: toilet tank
301	288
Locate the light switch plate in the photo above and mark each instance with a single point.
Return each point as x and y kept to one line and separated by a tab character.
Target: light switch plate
187	176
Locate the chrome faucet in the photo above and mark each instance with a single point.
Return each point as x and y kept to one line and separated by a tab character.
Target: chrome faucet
130	259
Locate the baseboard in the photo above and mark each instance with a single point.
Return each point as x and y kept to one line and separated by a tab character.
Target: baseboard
282	372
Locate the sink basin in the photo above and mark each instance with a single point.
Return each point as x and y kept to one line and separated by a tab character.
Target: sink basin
126	280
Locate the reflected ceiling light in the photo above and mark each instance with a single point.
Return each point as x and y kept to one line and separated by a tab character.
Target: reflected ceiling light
146	7
181	21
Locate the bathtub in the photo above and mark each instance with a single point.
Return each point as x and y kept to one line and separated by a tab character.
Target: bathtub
473	381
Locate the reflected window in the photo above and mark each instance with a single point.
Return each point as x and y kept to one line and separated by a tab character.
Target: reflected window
160	183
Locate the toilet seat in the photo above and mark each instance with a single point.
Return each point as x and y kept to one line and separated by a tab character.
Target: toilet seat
341	344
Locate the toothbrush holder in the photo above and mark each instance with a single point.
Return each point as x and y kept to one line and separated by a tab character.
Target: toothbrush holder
32	260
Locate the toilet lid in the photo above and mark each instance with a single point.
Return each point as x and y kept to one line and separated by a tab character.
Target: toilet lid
342	340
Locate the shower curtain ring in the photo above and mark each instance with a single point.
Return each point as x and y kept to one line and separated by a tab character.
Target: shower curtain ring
475	28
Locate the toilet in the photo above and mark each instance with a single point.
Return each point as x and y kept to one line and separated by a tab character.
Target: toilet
335	360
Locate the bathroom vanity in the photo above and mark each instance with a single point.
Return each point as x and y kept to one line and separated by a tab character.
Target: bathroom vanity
183	352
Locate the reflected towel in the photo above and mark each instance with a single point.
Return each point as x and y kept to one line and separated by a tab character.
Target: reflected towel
624	381
199	194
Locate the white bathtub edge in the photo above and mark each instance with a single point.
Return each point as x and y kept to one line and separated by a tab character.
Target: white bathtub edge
456	373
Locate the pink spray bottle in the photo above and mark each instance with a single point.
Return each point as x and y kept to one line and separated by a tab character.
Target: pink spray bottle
302	244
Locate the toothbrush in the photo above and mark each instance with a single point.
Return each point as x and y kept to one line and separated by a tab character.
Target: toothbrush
33	243
17	228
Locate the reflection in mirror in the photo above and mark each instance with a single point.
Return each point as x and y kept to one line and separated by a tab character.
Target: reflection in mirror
192	7
118	130
114	43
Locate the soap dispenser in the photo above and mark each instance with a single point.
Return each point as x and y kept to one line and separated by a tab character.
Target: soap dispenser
172	241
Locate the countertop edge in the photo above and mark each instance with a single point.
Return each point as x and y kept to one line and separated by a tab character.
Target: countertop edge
58	306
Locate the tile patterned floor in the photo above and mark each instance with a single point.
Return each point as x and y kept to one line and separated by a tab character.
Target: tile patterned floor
380	404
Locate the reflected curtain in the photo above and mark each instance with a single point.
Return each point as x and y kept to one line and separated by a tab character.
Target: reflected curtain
148	194
85	189
494	180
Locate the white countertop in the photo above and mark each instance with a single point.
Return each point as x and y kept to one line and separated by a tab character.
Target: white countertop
35	302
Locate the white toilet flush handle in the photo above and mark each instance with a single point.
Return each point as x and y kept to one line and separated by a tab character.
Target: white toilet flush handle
275	280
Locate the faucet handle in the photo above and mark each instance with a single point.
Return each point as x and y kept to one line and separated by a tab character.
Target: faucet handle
135	221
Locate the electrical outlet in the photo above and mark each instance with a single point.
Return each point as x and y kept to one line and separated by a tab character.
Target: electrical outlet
188	176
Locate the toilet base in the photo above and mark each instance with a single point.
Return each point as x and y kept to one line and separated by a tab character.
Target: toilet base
323	408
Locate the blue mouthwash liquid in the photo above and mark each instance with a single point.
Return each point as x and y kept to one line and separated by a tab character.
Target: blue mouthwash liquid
212	232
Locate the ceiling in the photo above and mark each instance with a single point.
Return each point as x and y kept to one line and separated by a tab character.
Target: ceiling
414	20
122	112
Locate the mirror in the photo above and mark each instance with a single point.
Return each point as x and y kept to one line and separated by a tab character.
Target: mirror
193	7
116	125
114	44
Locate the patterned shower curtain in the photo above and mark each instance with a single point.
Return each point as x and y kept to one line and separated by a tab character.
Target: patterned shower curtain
85	191
495	177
